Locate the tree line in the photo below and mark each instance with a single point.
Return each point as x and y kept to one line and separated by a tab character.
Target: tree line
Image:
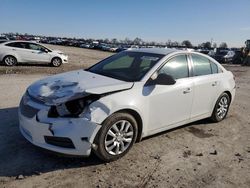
136	41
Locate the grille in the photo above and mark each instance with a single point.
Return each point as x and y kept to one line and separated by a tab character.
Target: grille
59	141
26	110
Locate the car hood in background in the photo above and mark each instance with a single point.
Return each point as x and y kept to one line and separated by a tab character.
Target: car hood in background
72	85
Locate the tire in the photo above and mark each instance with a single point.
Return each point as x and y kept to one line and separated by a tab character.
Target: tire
56	62
9	60
221	108
113	144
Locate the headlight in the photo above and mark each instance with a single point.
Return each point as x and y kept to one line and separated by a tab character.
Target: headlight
75	107
69	109
72	108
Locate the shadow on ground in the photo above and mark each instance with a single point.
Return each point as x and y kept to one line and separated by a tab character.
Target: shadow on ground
18	156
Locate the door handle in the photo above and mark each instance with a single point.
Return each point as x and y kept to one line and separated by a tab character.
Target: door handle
215	83
14	49
188	90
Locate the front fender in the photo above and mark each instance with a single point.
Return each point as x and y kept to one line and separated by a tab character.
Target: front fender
99	110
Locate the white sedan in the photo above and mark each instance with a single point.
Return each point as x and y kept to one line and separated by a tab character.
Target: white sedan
13	52
122	99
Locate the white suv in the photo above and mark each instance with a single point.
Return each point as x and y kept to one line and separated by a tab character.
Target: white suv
13	52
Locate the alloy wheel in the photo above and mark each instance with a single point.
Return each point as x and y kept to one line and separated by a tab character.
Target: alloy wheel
119	137
9	61
222	107
56	62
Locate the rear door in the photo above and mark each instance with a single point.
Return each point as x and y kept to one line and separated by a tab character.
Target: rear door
206	85
19	48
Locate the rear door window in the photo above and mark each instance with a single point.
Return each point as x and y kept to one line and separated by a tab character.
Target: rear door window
201	65
17	44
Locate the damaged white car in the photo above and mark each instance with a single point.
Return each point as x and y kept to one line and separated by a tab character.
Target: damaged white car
122	99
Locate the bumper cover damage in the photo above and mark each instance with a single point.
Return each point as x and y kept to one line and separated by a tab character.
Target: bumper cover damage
79	130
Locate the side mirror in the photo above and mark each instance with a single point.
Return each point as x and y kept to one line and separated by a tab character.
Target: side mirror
44	50
161	79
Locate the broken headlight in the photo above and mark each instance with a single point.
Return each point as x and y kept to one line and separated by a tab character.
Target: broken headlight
72	108
69	109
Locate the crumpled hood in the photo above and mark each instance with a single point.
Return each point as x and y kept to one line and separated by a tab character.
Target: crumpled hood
67	86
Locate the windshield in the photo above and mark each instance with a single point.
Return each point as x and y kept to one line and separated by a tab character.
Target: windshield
127	66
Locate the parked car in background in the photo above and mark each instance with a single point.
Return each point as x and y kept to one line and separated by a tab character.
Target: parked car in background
211	53
3	39
85	45
122	99
13	52
122	48
113	48
203	51
238	57
224	56
105	47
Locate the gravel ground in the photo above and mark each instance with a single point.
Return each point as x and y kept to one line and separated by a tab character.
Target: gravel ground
201	154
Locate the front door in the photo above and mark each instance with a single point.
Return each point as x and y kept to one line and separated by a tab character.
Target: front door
171	104
37	53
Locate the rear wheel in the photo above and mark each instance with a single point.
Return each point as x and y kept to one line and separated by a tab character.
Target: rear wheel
10	60
116	137
221	108
56	62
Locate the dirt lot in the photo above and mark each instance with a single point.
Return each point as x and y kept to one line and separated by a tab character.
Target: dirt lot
201	154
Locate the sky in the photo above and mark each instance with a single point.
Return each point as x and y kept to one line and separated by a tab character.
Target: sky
152	20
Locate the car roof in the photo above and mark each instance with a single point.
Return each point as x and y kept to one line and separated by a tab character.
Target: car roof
24	41
163	51
10	41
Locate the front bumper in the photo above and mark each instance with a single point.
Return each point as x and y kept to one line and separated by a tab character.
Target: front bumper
78	130
65	59
233	91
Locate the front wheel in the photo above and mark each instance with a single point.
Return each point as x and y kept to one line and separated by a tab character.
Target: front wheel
221	108
56	62
116	137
